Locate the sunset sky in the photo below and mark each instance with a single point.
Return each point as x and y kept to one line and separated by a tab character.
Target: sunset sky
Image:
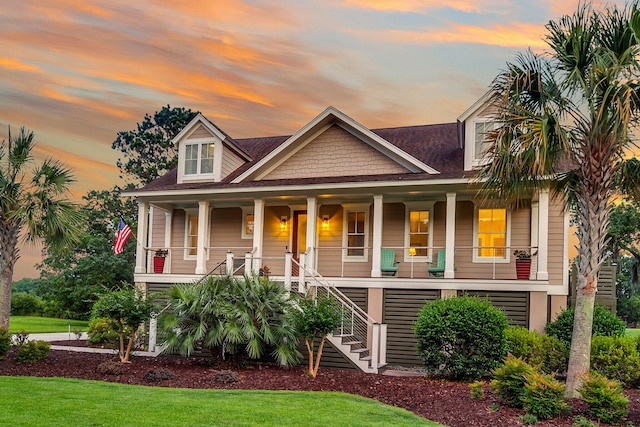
78	71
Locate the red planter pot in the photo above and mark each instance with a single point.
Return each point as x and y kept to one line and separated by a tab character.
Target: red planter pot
523	269
158	264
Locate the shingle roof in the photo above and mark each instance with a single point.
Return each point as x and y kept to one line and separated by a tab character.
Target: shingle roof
434	145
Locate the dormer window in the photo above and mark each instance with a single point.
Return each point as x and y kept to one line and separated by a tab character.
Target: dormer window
198	158
482	129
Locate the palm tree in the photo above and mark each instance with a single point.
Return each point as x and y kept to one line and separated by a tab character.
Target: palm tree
566	114
32	205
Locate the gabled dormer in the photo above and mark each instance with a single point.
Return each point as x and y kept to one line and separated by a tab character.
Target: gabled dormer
206	153
474	125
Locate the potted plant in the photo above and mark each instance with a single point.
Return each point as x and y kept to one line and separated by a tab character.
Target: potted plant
523	264
264	271
158	260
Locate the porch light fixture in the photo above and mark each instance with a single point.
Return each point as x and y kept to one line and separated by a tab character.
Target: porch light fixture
283	223
325	222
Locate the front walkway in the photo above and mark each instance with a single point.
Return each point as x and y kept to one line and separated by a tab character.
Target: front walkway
65	336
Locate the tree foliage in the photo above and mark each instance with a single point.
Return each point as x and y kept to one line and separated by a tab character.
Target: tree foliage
231	317
73	277
34	204
125	310
566	113
315	319
148	150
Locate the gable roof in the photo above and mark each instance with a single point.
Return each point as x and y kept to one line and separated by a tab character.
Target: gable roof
328	117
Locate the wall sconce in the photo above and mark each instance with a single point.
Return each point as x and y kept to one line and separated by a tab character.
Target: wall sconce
283	223
325	222
412	251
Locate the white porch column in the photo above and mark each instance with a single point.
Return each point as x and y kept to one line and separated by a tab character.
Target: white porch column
203	232
229	263
450	240
376	243
258	233
543	234
312	221
141	237
168	218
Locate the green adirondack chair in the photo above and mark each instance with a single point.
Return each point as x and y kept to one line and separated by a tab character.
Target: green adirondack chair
388	263
438	269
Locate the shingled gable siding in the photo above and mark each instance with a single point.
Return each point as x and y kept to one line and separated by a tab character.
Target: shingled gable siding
230	161
200	132
401	307
335	152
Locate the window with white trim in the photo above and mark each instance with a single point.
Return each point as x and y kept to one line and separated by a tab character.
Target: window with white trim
198	158
191	235
247	223
491	234
481	130
418	231
356	232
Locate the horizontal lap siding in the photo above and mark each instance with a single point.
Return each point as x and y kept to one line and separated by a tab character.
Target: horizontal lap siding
401	307
329	241
275	241
514	304
556	244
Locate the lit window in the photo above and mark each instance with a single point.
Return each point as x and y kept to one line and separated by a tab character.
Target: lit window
419	231
247	223
491	233
198	158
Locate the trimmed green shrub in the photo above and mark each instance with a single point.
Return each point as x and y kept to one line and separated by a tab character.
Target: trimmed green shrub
32	351
616	358
5	342
101	332
580	421
24	304
604	323
461	337
543	396
606	401
509	380
546	353
477	389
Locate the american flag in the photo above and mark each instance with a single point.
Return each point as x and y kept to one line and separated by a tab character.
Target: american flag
122	235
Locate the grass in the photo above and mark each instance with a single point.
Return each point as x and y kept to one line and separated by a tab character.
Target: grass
632	332
40	325
63	402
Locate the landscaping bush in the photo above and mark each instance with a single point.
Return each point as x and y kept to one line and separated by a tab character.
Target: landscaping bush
110	368
606	401
461	337
225	376
24	304
101	332
477	389
544	352
616	358
509	380
5	342
32	351
604	323
158	375
543	396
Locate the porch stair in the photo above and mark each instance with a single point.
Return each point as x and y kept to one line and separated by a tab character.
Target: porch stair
359	338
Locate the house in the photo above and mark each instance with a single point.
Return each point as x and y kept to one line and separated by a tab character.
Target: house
385	219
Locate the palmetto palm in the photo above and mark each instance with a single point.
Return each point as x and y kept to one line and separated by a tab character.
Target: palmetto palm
566	114
32	204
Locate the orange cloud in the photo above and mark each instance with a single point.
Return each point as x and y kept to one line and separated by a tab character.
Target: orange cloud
416	5
15	65
516	34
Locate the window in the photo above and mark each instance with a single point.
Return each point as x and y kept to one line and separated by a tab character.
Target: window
247	223
418	231
191	236
481	131
198	158
491	229
356	226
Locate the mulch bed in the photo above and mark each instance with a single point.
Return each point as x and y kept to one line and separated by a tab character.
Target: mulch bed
448	403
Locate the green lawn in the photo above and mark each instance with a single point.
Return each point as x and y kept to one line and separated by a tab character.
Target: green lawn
63	402
632	332
39	325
